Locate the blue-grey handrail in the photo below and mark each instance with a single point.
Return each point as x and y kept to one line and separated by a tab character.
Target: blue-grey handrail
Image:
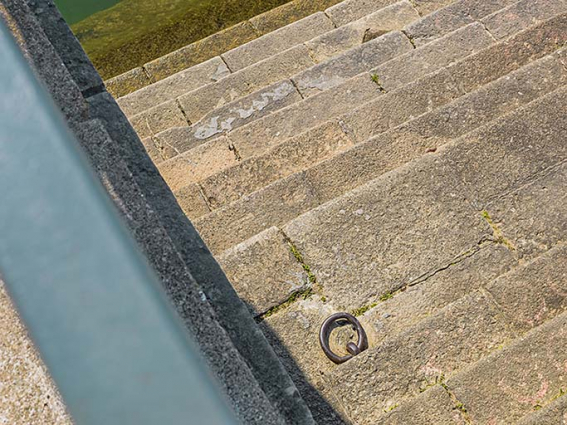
93	306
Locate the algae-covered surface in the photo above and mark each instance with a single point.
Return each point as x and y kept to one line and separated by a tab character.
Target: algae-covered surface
134	32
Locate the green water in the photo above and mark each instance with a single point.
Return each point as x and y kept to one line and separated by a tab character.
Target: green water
76	10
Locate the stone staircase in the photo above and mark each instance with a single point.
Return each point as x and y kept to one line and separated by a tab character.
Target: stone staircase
403	161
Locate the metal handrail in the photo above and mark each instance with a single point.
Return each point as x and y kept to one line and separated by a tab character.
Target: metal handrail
92	304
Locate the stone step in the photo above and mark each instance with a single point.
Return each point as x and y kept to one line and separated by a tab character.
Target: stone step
553	413
319	144
491	387
461	334
370	160
262	102
214	45
248	216
308	30
325	75
260	135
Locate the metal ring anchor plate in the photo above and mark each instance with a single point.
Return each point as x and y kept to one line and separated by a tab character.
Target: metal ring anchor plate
352	348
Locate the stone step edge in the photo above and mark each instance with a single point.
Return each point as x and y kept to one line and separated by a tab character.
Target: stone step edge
460	407
220	58
552	254
285	14
151	139
338	119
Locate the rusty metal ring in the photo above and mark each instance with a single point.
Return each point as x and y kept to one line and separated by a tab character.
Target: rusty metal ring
353	349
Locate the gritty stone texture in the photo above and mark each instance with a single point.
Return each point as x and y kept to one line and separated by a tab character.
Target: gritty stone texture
453	17
158	119
176	140
191	200
174	86
506	155
277	41
198	103
153	151
352	10
128	82
532	217
260	135
299	153
273	206
521	15
410	362
333	43
336	71
197	163
519	50
305	360
512	382
27	393
475	270
432	56
415	208
554	413
234	115
201	51
534	293
435	406
264	281
287	13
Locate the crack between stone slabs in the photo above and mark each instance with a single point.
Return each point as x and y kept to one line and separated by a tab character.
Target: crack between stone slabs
312	287
376	80
204	196
178	103
409	37
296	88
232	147
148	74
330	19
497	233
458	405
161	146
487	30
414	5
224	60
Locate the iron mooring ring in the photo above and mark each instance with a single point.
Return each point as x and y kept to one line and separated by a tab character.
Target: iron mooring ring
352	348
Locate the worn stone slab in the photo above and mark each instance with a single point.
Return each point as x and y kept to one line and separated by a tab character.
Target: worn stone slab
128	82
28	394
532	218
153	151
475	270
388	233
277	41
432	56
333	43
234	115
514	150
176	140
452	17
198	103
534	293
192	202
201	51
422	356
352	10
197	163
274	206
287	13
293	333
521	15
264	281
158	119
554	413
297	154
174	86
515	380
260	135
435	406
504	57
336	71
